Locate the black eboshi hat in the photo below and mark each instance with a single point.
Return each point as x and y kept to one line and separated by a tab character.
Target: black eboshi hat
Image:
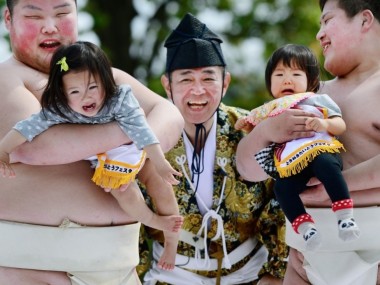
193	45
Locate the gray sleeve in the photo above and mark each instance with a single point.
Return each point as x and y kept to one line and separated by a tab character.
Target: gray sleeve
324	101
132	120
36	124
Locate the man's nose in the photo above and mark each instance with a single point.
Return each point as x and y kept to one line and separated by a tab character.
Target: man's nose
319	36
197	88
49	26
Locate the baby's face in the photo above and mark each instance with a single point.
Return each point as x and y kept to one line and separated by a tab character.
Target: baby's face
85	94
287	80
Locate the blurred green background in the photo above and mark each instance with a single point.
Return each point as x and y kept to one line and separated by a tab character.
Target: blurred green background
132	33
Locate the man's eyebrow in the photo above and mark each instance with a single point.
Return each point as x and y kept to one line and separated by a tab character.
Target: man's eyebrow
33	7
209	71
323	16
185	72
189	71
62	6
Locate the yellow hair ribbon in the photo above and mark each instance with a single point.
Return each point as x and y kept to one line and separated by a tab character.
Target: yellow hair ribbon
63	63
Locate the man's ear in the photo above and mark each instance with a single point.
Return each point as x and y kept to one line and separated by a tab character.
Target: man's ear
367	18
7	18
226	83
165	82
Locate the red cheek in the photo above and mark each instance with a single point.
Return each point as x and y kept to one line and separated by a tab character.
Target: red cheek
67	28
27	37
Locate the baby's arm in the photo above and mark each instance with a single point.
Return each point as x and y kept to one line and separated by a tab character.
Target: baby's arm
163	167
334	125
11	140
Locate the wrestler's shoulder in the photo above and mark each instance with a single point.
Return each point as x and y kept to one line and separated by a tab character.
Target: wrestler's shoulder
15	75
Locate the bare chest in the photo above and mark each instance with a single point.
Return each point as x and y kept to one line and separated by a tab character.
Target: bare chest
36	83
361	112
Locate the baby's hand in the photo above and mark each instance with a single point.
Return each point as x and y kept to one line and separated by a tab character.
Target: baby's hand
316	124
167	172
6	170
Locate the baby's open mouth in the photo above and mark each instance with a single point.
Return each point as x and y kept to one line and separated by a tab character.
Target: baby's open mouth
89	107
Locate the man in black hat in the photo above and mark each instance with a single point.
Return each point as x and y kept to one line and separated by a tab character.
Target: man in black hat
231	227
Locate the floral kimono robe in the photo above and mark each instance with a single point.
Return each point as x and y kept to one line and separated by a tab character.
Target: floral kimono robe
247	209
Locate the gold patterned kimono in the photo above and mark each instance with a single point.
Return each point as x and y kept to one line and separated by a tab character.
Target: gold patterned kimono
248	209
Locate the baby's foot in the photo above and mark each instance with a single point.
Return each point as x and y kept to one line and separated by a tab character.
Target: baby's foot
312	239
171	223
348	229
167	259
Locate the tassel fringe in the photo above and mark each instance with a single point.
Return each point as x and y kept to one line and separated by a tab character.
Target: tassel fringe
301	162
113	174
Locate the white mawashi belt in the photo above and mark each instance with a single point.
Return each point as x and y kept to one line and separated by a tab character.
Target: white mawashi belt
68	248
180	276
191	263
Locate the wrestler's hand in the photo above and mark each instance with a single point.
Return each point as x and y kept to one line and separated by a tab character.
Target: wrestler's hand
295	273
315	195
289	125
122	188
314	181
268	279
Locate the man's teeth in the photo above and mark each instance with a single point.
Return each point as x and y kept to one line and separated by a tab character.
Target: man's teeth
197	103
49	44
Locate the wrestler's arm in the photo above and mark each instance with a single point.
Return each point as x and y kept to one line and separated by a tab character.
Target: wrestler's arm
17	103
364	175
286	126
163	117
362	180
68	143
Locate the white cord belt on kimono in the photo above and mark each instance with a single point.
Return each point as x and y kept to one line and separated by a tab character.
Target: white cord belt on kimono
210	214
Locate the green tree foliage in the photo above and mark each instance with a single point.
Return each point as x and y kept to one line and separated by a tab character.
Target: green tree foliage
133	37
274	22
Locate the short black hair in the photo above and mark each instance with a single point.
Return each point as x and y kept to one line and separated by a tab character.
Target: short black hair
292	55
353	7
79	56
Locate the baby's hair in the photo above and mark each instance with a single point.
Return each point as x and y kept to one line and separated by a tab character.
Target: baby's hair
79	56
295	56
